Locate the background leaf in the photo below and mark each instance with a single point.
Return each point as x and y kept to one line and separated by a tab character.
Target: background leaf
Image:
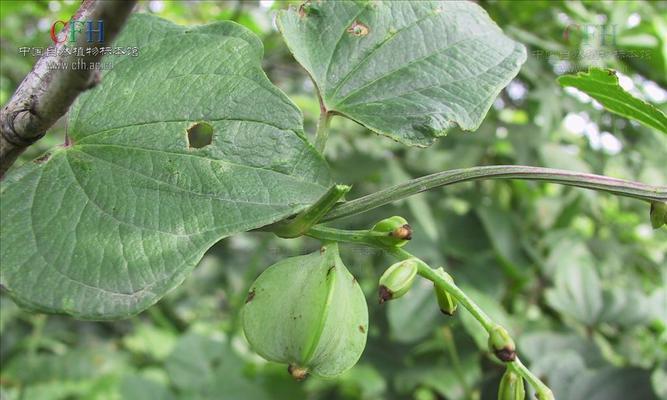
603	86
415	315
578	293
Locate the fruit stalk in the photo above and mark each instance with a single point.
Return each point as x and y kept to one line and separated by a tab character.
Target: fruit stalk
369	238
305	220
543	392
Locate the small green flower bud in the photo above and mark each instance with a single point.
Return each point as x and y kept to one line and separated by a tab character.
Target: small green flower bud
397	280
511	386
658	214
396	229
501	343
446	301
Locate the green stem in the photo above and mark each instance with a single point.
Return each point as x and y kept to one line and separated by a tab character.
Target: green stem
305	220
429	273
325	233
589	181
322	133
424	270
363	237
543	392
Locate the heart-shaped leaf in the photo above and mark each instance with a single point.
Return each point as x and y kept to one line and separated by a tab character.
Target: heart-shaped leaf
104	227
407	70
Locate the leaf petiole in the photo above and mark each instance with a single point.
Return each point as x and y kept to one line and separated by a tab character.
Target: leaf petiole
322	133
305	220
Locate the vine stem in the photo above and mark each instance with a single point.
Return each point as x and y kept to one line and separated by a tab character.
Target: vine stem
424	270
324	233
615	186
542	391
322	133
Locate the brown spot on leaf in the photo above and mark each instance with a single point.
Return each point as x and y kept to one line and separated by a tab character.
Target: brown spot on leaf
362	329
330	269
251	295
358	29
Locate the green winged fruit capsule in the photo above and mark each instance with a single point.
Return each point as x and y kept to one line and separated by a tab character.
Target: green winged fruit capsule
511	386
446	301
396	231
307	312
397	280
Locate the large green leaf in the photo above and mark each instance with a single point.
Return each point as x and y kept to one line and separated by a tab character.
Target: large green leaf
603	86
407	70
106	226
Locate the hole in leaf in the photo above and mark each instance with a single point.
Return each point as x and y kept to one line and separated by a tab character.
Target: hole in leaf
200	135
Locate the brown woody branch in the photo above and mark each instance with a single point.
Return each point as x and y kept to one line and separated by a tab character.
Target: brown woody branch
46	93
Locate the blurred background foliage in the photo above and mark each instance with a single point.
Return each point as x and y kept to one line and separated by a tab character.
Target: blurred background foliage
578	276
